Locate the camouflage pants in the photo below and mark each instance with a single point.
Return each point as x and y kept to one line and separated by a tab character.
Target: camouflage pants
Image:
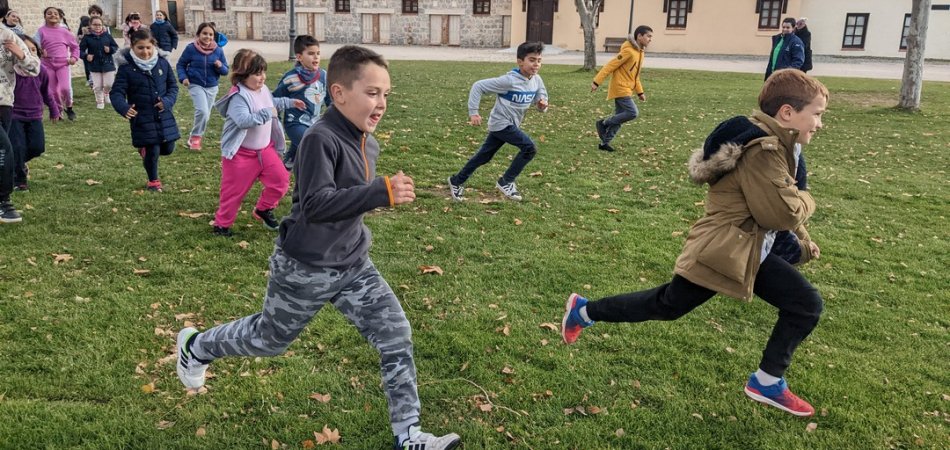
295	293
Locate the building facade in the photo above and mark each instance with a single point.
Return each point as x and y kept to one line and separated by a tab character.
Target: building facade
464	23
865	28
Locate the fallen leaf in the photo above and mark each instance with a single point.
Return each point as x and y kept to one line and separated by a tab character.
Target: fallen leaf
627	188
91	182
307	444
322	398
31	261
595	409
549	326
274	445
191	215
507	370
164	425
535	174
431	269
243	244
619	432
485	407
697	415
201	432
327	436
812	426
518	222
61	257
429	248
140	271
148	388
613	210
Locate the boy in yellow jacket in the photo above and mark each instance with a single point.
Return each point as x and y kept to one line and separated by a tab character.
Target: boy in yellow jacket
624	73
750	165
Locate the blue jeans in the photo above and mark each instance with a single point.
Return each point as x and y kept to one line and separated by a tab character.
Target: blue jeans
203	98
295	132
495	139
625	110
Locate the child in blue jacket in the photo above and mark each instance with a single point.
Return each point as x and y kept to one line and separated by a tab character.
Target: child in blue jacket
97	49
164	32
145	92
306	82
199	68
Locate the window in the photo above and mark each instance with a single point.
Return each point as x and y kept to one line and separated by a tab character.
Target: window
217	5
410	6
481	7
855	28
905	31
278	5
770	13
676	11
342	5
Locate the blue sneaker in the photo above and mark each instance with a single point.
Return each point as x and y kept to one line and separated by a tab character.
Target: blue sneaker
572	324
779	396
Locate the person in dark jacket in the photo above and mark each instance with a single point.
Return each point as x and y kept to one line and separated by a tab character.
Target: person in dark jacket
164	32
199	67
801	30
788	52
145	92
97	50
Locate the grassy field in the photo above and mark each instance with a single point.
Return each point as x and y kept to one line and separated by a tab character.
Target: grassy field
100	276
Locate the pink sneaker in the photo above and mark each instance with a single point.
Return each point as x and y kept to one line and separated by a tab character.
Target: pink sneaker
573	324
779	396
194	143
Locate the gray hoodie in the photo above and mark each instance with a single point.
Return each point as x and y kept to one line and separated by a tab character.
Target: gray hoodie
516	94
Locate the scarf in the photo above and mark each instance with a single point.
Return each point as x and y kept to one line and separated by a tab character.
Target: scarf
18	29
307	76
205	49
159	21
146	65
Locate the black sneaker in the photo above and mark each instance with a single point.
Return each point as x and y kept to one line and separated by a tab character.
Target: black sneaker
267	218
601	129
605	147
70	114
8	213
222	231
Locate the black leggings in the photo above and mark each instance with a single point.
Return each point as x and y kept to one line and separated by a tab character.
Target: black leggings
150	156
6	154
777	282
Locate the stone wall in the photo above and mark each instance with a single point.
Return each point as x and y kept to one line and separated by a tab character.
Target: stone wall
31	12
405	29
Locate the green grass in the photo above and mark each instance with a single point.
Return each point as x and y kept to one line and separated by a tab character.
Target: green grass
81	337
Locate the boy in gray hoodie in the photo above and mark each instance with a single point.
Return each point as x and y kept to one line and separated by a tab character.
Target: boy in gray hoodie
516	92
322	253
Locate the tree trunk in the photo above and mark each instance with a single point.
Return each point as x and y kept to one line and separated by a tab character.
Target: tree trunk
588	10
912	82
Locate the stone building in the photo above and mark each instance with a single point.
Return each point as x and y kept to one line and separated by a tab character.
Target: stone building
465	23
31	11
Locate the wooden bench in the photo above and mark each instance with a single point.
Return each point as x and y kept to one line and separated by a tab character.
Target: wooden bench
612	44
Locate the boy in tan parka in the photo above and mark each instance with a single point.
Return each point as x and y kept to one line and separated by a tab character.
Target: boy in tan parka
624	73
749	164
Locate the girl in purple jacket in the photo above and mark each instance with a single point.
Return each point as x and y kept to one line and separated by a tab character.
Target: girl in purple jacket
26	130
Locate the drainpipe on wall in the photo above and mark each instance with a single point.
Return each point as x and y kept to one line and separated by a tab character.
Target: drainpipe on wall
630	24
293	30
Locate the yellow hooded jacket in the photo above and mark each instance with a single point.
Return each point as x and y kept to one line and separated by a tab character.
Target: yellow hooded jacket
624	71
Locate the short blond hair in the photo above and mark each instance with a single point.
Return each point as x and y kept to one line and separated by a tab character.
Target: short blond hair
789	87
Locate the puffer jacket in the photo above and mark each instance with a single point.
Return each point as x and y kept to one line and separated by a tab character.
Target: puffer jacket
134	86
751	191
95	45
624	72
199	68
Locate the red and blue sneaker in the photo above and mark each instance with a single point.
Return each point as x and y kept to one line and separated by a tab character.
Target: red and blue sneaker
779	396
572	324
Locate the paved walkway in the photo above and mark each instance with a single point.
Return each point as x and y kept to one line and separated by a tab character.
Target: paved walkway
824	66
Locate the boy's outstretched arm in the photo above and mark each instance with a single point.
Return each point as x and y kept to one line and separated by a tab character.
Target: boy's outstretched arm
498	85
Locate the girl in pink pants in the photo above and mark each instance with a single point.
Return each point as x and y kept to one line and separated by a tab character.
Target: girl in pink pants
60	50
251	144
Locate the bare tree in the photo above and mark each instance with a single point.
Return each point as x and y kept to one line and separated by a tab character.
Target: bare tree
588	10
912	82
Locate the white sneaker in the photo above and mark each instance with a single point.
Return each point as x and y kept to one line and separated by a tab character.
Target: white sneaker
100	105
510	190
458	192
190	371
426	441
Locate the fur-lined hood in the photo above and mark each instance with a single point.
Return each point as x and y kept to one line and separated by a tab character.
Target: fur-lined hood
729	141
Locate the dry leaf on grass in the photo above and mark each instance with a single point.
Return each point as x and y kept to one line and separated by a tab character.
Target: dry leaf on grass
812	426
322	398
92	182
148	388
327	436
61	257
619	432
485	407
243	244
518	222
201	432
164	425
424	269
307	444
191	215
549	326
140	271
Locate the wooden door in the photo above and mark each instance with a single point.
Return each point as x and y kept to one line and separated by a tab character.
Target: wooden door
540	20
454	30
242	32
435	29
